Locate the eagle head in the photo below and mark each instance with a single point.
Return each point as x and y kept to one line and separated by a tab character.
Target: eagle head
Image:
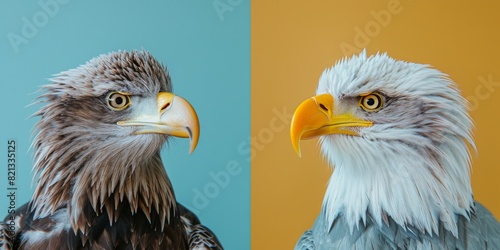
99	137
397	134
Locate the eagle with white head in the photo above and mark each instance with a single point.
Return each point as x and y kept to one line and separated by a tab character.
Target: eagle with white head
398	135
101	181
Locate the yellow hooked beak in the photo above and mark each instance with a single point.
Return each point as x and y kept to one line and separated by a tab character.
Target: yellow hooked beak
174	116
314	117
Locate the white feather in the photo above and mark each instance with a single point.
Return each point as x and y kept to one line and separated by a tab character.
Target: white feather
418	175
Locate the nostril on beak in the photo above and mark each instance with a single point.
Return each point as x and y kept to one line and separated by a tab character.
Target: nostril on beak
165	106
323	107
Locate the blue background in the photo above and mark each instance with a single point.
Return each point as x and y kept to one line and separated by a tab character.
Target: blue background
207	50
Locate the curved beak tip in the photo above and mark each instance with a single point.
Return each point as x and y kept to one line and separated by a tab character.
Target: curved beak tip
299	153
295	142
193	139
191	148
308	116
179	117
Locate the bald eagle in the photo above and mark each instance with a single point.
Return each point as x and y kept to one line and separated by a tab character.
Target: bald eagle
398	136
101	181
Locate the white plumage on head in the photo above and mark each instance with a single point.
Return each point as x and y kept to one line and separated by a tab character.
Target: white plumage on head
413	163
398	136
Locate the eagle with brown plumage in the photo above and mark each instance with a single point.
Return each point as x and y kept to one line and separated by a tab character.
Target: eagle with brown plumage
101	181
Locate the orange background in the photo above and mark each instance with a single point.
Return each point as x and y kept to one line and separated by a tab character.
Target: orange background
292	42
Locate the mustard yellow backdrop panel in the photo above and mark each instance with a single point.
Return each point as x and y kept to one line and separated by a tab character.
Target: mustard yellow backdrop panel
292	42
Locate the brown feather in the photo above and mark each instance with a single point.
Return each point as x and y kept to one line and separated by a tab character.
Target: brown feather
100	186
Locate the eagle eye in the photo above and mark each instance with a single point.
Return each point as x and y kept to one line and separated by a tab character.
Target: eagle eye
371	102
118	101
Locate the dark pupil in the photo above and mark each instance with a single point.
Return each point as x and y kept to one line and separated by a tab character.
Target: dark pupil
119	100
370	102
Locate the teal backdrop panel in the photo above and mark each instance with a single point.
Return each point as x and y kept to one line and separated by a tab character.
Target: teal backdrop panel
206	46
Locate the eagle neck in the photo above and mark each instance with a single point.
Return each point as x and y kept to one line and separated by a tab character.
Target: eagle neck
416	188
98	178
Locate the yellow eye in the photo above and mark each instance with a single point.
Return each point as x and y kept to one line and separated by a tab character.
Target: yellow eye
371	102
118	101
